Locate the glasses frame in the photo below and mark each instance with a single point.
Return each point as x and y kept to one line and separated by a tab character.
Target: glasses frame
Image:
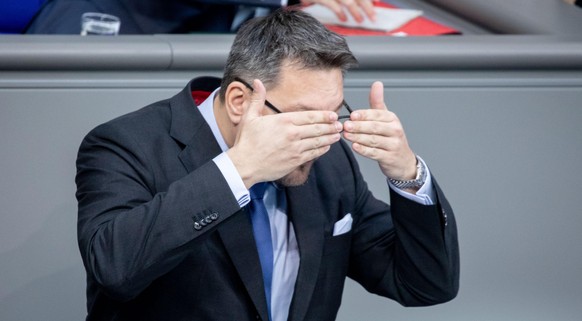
276	110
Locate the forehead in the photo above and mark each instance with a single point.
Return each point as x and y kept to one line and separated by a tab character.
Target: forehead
301	88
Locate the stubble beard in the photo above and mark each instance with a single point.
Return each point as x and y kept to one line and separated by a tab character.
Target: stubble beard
297	177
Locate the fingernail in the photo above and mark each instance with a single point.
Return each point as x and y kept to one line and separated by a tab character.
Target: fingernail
338	126
333	116
356	115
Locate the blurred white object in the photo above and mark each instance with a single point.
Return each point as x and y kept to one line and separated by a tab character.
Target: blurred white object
387	19
94	23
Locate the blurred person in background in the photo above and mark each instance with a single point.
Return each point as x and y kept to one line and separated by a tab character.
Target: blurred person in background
174	16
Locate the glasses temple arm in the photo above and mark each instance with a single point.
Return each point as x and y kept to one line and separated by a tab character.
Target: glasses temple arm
273	108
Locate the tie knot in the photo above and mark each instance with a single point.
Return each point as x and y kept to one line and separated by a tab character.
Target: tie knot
258	190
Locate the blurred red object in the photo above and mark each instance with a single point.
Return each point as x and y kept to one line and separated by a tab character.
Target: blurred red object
420	26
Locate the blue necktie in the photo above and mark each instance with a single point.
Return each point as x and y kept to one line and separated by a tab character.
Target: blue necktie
262	232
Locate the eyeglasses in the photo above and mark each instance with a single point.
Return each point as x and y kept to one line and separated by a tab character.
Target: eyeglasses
340	118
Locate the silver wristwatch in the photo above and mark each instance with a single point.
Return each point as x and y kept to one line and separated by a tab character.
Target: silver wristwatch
412	183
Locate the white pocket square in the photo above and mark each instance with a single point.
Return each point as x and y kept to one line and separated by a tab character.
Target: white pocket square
343	226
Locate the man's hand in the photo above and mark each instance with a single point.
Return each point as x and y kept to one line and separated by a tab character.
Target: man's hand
354	7
377	133
268	147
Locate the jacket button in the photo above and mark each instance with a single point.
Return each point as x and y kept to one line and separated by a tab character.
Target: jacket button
214	216
197	226
445	217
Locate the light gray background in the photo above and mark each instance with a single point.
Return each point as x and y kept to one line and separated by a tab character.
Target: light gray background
505	146
497	118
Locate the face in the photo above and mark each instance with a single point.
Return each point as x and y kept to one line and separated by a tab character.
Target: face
301	90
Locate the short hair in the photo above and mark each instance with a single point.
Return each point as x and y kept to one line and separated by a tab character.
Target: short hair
262	45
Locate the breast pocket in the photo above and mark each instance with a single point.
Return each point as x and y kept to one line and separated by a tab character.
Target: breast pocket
343	226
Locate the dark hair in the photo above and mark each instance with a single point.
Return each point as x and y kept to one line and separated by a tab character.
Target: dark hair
262	45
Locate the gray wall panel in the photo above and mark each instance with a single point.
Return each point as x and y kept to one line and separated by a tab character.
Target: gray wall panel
505	146
499	152
41	275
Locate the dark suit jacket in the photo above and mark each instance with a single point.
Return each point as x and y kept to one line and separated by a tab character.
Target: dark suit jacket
145	178
142	16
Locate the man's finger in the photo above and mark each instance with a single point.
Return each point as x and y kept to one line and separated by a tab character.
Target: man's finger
309	117
308	144
318	130
377	96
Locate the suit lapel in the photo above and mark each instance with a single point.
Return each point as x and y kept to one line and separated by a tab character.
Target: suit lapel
240	244
189	128
306	212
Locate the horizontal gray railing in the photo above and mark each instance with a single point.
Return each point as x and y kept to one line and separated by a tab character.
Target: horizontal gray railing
204	52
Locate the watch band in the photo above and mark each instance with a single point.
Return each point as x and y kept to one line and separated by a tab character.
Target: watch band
412	183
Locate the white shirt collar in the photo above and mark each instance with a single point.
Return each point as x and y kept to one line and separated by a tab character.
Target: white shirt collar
207	110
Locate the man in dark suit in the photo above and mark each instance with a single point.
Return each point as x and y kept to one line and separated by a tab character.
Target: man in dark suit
170	16
164	226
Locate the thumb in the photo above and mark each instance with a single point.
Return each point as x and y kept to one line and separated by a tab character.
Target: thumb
257	99
377	96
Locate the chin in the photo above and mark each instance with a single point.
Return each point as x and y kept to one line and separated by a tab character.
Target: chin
297	177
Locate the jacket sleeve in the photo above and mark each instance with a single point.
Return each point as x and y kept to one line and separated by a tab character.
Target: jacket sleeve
129	233
407	251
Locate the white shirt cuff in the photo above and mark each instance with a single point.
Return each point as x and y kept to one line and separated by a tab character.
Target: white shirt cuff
425	195
235	182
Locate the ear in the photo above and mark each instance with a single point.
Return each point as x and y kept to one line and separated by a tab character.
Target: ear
236	100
